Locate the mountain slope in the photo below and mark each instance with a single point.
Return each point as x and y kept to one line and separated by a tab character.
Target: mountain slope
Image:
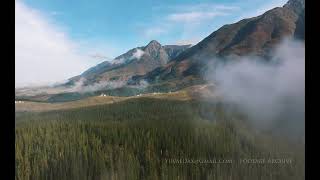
253	36
137	61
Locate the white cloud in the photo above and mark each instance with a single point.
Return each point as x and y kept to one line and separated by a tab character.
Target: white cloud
205	7
266	90
137	54
193	41
190	17
190	13
155	31
100	57
43	51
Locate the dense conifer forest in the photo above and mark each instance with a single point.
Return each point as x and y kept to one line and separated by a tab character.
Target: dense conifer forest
149	139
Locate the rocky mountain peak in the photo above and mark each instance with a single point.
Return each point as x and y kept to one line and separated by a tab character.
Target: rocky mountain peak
156	51
154	42
152	46
296	5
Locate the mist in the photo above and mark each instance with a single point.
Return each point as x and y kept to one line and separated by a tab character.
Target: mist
266	90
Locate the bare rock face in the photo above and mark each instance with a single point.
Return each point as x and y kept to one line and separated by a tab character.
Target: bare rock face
296	5
174	50
156	51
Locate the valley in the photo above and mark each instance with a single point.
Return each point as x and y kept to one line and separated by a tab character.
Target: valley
193	92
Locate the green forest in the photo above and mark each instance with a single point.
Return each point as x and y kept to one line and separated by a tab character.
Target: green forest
138	138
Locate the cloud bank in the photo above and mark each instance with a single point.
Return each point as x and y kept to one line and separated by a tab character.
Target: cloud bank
266	90
80	86
43	52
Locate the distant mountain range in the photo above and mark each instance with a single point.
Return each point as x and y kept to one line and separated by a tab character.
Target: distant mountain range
137	61
156	63
172	67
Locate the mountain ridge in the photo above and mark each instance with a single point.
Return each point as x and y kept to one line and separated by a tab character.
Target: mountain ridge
252	36
136	61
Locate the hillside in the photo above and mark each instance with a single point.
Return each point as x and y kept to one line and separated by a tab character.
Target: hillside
254	36
137	61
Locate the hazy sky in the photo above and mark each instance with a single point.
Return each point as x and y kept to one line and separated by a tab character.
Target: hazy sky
58	39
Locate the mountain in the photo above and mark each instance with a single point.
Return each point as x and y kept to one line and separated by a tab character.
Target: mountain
173	67
137	61
174	50
253	36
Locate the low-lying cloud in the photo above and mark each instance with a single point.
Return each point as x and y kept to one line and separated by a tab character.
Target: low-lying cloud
137	54
266	90
80	87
